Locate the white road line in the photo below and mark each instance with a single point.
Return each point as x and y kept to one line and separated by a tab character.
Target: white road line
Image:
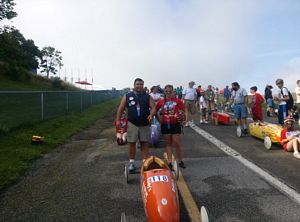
265	175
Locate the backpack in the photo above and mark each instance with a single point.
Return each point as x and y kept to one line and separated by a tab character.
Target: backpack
290	102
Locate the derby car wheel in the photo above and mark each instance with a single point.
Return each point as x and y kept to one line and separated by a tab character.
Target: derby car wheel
268	142
204	214
123	217
176	170
239	131
126	173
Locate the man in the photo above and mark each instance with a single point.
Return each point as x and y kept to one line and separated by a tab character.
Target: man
190	97
226	94
297	92
239	99
269	100
282	97
210	98
138	104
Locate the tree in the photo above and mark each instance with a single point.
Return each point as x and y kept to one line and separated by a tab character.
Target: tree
18	52
51	60
6	9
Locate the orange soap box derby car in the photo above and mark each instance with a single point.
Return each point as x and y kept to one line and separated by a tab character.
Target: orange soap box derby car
159	192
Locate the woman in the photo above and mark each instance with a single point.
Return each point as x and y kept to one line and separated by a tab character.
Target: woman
289	138
172	111
256	105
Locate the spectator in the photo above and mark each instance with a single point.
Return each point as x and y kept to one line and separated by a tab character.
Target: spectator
269	100
138	104
226	94
289	138
256	105
172	111
239	99
217	97
297	92
282	97
203	107
210	98
190	97
154	94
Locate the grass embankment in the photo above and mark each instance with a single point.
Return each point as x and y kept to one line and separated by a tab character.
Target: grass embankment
17	152
33	82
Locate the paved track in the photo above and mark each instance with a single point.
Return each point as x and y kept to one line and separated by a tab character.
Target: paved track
84	181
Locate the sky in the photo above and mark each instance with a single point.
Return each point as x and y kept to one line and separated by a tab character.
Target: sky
163	42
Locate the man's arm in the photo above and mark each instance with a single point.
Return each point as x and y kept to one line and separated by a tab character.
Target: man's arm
120	110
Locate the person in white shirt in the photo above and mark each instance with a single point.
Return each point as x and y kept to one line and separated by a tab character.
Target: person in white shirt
203	107
156	96
297	92
189	96
282	97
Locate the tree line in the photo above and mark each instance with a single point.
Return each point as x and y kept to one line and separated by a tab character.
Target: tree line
18	54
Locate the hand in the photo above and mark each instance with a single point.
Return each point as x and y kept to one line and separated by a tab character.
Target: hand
149	118
117	123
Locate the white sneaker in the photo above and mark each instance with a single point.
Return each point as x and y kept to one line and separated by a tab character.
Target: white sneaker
297	155
186	124
201	121
192	123
205	121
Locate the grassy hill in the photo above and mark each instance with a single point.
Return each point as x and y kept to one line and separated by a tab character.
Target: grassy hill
33	82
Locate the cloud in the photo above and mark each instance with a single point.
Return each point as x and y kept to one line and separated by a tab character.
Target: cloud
210	42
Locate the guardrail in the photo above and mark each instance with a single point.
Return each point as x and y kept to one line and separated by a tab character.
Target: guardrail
20	107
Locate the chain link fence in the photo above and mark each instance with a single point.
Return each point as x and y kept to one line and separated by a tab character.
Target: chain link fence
17	108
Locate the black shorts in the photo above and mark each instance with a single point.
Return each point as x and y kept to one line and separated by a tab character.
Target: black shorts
174	129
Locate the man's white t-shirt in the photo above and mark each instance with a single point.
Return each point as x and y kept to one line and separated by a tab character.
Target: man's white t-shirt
189	93
280	96
297	91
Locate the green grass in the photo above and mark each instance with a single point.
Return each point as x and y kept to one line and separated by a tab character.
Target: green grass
17	152
31	82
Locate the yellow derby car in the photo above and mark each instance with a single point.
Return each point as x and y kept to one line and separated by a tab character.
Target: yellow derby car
268	132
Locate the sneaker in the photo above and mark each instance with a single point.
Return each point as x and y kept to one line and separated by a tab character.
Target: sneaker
181	164
187	124
297	155
171	166
245	131
201	121
192	124
131	167
205	122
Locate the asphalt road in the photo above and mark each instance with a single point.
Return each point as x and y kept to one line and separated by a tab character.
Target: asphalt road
83	180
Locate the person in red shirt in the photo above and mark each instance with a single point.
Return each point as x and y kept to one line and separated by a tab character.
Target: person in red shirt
173	113
121	130
289	138
256	105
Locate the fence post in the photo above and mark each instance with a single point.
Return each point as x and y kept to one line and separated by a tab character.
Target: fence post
81	101
67	102
42	105
91	98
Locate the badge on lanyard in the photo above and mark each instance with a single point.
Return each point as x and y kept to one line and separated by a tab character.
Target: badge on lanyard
138	110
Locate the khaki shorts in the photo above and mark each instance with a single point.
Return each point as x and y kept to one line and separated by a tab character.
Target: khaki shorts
190	105
137	133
